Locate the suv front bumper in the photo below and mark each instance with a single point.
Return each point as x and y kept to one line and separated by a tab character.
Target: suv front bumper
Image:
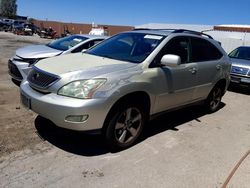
58	108
242	80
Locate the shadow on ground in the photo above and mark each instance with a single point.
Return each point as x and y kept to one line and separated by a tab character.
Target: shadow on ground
239	89
91	145
171	120
71	141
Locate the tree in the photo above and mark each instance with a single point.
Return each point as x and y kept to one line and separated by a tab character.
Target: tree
8	8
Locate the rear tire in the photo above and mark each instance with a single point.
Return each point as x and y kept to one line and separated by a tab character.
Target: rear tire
124	126
214	99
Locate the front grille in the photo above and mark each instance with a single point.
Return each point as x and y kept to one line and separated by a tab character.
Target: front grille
239	70
13	71
41	80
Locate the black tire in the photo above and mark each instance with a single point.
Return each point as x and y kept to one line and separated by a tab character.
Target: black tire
16	82
124	126
213	100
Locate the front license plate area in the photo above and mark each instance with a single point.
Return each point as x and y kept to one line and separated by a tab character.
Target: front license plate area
235	80
246	80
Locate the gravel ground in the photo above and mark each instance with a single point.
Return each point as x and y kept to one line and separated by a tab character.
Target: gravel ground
185	148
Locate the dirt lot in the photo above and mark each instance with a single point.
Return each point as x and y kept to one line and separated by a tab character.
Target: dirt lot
186	148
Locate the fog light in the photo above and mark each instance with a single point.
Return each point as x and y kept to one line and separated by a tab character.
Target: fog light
76	118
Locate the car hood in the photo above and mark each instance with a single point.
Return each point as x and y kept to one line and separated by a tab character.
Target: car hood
84	64
240	62
37	51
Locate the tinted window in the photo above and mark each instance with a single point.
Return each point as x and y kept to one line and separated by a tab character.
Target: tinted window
66	42
86	45
241	53
132	47
202	50
176	46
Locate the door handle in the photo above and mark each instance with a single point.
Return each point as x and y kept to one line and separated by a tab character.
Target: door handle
193	70
218	67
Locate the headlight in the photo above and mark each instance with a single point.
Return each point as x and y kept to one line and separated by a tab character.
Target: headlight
82	89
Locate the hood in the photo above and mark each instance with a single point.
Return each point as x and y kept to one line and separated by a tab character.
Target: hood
37	51
240	62
86	64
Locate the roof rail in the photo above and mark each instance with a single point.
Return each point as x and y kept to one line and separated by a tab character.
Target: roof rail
191	32
137	29
177	31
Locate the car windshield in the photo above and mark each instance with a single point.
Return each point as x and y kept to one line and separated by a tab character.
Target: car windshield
132	47
66	42
240	53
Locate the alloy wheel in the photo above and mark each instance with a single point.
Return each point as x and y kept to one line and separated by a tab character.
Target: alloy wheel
128	125
215	99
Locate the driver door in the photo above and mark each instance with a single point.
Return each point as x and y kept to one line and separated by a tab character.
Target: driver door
179	82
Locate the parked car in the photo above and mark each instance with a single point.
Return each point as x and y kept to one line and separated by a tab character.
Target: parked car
240	71
17	26
25	57
119	84
29	29
2	25
5	24
48	33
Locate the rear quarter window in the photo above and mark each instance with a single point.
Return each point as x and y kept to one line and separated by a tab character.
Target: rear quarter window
203	50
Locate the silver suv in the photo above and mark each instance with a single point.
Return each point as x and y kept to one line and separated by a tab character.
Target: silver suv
122	82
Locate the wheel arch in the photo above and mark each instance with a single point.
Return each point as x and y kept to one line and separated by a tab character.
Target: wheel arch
138	97
222	83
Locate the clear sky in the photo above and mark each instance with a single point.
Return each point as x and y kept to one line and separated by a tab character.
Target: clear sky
137	12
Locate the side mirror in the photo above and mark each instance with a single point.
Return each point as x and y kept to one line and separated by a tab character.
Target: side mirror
171	60
84	50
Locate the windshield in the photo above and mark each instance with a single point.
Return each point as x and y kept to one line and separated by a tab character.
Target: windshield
132	47
241	53
66	42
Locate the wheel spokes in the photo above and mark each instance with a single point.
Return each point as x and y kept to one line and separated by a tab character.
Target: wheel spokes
128	114
213	104
132	131
128	125
119	126
123	136
216	98
136	118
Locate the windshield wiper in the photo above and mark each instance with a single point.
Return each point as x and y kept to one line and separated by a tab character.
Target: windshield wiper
130	60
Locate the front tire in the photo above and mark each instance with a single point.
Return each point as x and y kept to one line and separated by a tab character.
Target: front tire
124	126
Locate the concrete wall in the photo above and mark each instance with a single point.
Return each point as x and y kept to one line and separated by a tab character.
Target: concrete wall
231	40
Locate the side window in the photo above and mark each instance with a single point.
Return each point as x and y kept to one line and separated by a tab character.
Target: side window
203	50
87	45
177	46
81	47
96	42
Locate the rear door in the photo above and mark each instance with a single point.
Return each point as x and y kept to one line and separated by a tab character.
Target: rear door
207	58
